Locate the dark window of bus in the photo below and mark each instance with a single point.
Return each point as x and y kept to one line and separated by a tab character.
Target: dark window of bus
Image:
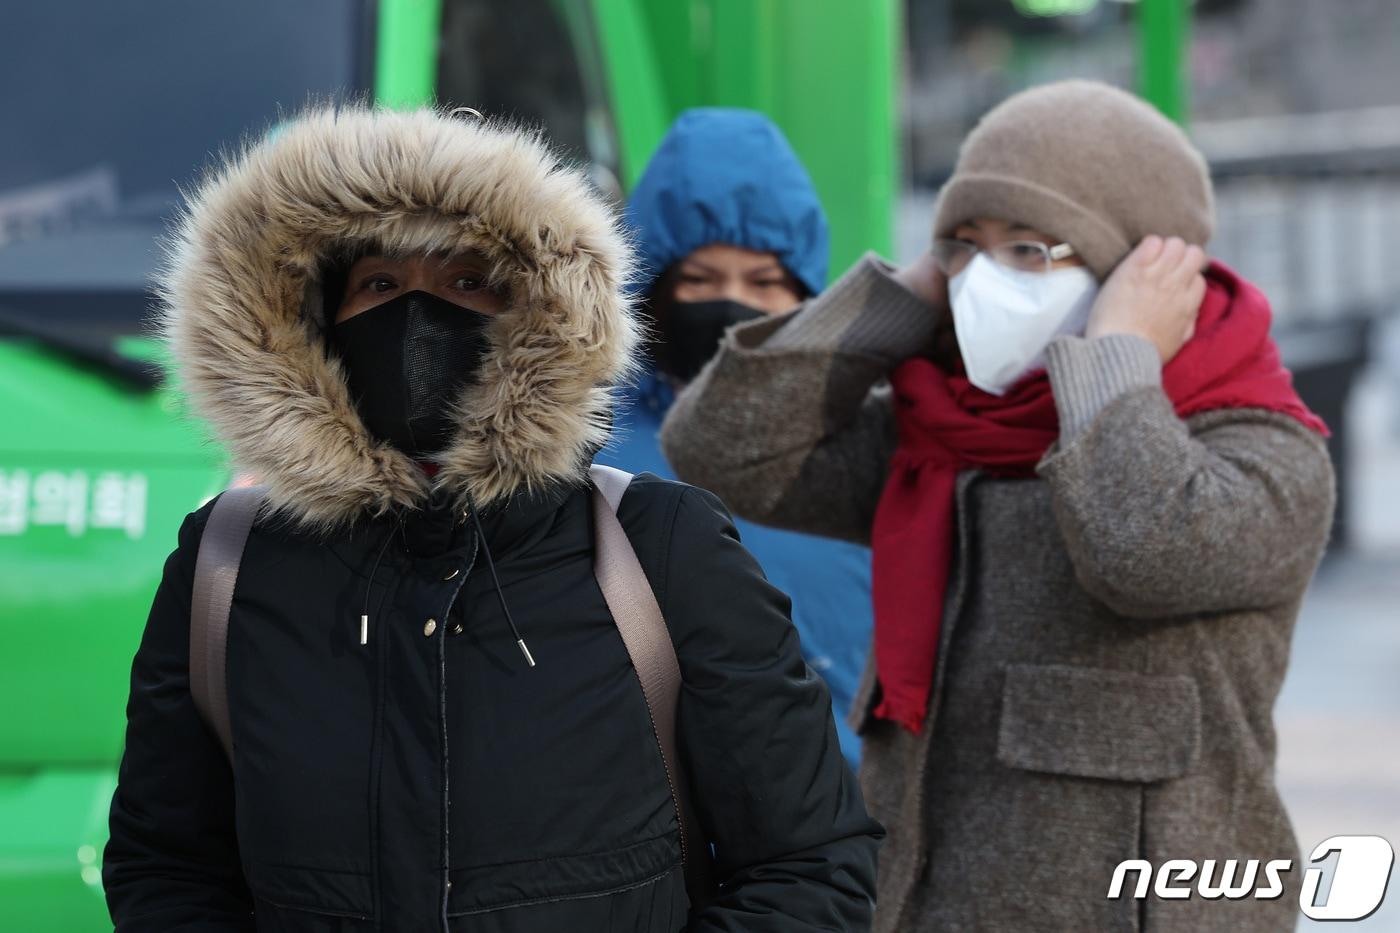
112	107
536	61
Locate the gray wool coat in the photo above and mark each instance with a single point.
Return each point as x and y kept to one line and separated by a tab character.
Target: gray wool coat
1115	634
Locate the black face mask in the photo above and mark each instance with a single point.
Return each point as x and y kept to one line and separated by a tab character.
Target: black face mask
692	331
407	361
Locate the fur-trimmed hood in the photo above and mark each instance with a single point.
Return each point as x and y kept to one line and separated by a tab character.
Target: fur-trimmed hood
242	305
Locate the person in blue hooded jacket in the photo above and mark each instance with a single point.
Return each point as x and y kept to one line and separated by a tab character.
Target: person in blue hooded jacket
728	228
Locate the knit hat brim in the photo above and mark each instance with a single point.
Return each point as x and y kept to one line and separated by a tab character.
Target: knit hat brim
969	196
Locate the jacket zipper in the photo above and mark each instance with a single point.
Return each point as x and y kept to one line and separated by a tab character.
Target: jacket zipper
445	885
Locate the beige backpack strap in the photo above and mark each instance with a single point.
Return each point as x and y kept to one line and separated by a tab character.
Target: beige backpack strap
215	574
634	609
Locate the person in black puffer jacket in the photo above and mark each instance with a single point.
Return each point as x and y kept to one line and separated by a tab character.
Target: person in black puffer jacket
408	327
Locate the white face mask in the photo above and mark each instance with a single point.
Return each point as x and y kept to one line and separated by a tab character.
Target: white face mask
1005	318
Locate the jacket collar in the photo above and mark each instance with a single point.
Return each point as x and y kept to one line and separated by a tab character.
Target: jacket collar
508	524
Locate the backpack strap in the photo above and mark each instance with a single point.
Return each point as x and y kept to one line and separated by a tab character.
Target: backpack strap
215	574
634	609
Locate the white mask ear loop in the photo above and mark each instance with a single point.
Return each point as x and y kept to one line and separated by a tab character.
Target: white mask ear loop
364	614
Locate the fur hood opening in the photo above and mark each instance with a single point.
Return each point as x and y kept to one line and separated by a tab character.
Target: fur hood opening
241	305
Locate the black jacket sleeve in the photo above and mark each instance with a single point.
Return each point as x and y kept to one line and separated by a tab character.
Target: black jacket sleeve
794	846
172	861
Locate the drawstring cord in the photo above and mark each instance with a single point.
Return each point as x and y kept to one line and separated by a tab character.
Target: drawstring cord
500	595
490	565
364	614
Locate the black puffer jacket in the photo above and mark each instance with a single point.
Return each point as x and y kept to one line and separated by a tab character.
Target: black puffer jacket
430	779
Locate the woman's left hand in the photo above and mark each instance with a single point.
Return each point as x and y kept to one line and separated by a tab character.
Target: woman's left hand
1155	293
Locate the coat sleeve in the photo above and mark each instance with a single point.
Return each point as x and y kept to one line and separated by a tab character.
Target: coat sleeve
1162	517
172	862
794	846
788	423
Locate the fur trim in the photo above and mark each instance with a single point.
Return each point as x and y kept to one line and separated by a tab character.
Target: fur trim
240	305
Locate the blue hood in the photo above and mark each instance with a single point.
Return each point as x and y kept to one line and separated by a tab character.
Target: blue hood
727	176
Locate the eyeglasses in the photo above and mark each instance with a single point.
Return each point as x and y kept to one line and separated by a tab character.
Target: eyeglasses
953	256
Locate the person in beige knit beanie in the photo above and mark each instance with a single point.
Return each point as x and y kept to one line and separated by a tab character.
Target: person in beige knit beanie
1085	163
1094	502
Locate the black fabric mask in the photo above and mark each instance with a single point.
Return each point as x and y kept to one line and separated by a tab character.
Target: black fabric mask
692	331
407	361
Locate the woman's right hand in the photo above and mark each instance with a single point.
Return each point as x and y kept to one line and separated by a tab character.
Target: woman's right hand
924	280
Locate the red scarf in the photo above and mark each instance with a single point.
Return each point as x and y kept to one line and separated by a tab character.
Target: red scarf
946	424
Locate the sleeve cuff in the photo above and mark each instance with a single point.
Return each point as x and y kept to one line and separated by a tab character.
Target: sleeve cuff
1086	375
866	311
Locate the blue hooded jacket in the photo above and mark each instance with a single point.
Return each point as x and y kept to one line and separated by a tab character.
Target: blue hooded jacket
729	176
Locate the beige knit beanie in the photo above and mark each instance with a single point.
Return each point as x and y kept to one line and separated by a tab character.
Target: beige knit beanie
1085	163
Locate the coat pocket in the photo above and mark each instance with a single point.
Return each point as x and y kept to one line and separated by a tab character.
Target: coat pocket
1093	723
338	897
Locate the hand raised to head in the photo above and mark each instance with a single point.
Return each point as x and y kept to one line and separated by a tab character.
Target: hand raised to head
1155	293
